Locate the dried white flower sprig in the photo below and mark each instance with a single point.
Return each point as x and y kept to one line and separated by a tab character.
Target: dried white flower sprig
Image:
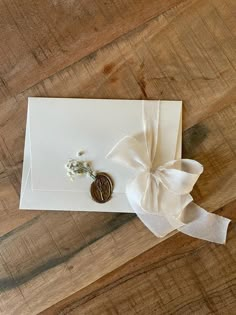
78	168
102	186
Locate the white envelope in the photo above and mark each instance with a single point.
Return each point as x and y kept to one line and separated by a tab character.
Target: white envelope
57	128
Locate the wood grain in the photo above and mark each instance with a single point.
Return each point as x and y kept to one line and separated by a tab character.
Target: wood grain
43	37
179	276
169	50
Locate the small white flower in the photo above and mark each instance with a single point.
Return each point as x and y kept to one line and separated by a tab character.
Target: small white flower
79	168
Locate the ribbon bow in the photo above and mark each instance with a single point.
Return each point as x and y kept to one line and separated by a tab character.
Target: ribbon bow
160	194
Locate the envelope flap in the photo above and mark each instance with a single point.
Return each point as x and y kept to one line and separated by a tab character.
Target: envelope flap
61	127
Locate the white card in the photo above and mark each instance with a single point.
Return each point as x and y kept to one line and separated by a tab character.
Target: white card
57	128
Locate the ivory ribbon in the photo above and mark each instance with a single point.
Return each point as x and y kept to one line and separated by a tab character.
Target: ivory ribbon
160	195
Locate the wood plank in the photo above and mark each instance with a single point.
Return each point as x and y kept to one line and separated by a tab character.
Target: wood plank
10	216
179	276
42	37
214	146
52	255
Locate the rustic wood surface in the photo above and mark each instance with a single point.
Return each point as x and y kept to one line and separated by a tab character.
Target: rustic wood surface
131	49
179	276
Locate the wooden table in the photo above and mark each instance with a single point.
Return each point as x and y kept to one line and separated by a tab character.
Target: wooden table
97	263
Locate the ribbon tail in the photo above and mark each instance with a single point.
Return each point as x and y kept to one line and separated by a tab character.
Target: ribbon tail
157	224
202	224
